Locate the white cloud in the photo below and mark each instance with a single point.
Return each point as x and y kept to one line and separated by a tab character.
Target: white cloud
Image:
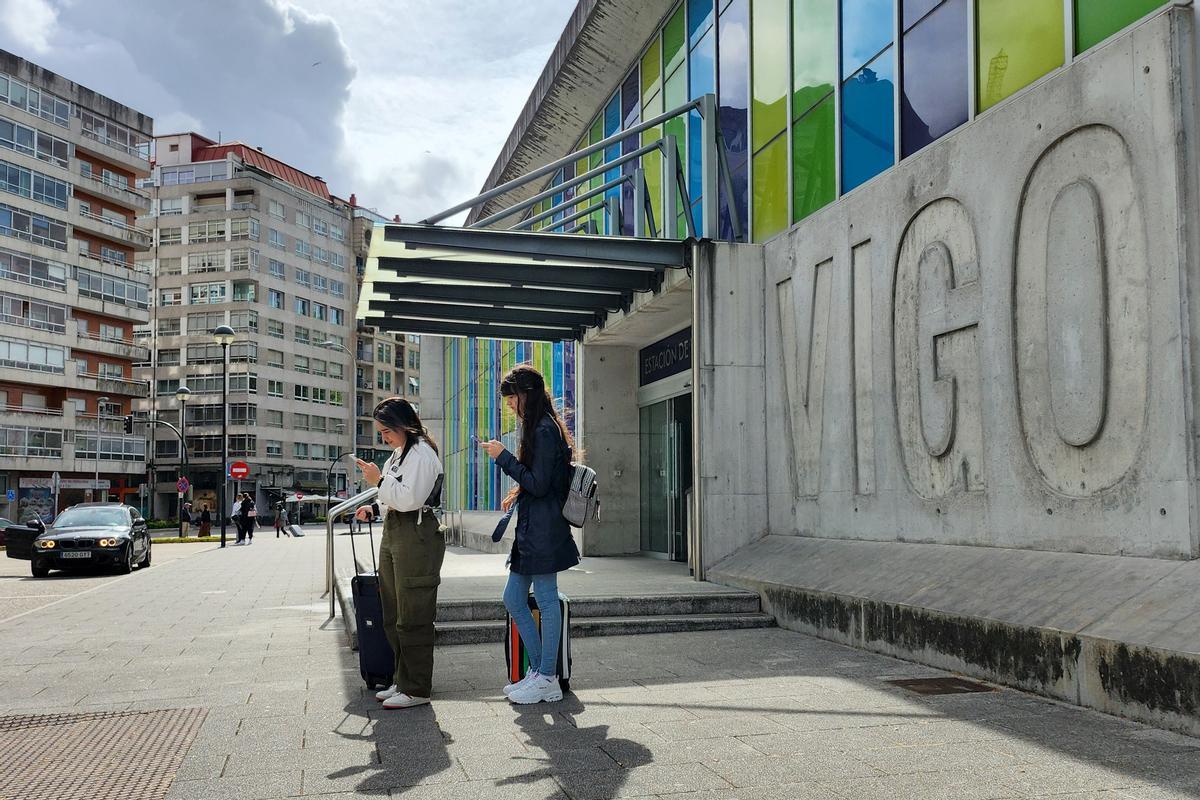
405	104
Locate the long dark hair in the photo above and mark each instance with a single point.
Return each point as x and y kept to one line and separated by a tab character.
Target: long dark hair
399	415
529	386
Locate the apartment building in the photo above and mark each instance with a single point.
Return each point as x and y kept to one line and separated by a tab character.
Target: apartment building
245	240
70	294
387	364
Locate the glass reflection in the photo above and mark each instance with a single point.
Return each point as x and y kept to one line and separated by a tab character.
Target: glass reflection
734	69
867	27
935	87
868	119
814	53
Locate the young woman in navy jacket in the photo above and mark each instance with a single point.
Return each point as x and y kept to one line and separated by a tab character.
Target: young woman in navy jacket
544	545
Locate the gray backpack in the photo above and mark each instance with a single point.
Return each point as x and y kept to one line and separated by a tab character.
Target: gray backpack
581	504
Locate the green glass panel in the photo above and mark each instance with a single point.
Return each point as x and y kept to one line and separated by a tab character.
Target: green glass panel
1096	20
673	34
652	165
676	92
814	53
771	190
814	166
1019	42
769	69
651	71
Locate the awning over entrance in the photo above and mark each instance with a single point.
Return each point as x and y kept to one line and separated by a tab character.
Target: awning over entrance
504	284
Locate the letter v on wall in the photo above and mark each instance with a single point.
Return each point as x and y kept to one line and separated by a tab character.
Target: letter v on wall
804	338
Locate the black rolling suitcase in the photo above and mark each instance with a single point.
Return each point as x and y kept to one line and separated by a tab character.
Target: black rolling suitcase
516	658
376	663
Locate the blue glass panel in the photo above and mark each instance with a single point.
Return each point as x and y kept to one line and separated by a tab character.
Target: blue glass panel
699	19
868	122
935	83
702	80
631	115
734	101
867	27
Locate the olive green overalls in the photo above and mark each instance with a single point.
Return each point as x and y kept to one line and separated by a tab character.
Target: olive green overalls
410	569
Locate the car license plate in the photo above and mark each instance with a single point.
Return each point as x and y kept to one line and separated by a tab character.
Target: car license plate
77	554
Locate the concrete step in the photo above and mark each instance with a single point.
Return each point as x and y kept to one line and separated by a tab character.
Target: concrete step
492	630
731	602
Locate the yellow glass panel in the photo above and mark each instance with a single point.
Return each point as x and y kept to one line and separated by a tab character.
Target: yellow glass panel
1019	41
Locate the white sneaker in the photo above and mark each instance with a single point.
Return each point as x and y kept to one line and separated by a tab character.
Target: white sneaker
401	700
541	689
508	690
386	693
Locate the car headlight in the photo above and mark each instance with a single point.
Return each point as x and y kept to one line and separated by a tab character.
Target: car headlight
103	542
110	542
45	544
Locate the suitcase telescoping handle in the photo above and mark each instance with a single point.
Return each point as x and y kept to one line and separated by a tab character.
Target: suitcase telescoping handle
371	542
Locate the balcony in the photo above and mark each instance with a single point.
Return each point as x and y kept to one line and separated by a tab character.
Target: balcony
105	384
121	348
111	142
364	441
113	190
365	385
112	229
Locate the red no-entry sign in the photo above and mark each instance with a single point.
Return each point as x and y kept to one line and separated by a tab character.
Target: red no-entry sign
239	470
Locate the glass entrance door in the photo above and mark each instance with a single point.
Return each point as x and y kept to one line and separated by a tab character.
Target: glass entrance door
666	467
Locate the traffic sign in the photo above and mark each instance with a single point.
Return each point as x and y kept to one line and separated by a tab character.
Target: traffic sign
299	496
11	495
239	470
182	484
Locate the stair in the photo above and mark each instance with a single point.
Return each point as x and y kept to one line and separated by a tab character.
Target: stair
480	622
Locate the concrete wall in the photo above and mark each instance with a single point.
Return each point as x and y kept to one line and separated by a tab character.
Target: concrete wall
731	403
609	420
989	345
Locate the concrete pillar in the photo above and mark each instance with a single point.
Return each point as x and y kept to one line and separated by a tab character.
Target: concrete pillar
433	390
608	431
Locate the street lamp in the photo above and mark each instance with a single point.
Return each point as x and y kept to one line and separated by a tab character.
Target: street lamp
224	336
182	394
100	401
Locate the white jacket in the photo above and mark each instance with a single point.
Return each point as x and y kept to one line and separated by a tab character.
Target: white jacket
407	485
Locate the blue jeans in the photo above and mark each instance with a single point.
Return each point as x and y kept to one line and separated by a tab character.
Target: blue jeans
543	653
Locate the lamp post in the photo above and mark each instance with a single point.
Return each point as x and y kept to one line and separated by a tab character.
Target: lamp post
100	401
224	336
182	394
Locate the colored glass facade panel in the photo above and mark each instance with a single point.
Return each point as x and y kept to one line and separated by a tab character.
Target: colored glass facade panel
700	18
733	94
814	160
1096	20
473	369
868	122
935	85
702	80
868	27
814	53
769	69
771	190
674	53
1019	41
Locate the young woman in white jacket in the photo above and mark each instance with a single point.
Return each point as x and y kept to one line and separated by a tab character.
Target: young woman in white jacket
411	552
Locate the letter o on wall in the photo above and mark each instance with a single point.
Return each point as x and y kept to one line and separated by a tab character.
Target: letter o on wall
1081	313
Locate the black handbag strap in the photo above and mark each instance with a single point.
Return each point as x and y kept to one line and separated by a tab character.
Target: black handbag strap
371	542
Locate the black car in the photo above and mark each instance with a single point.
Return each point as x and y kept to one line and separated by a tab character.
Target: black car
85	535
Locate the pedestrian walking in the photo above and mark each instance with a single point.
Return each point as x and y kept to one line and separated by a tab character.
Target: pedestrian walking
412	548
281	520
245	520
185	519
205	521
543	546
251	517
235	516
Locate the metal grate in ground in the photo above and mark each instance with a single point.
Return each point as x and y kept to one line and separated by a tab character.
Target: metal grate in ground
122	755
944	685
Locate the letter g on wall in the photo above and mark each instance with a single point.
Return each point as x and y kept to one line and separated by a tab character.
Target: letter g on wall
935	326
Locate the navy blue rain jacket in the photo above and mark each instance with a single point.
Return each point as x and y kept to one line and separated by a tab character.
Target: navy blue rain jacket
543	543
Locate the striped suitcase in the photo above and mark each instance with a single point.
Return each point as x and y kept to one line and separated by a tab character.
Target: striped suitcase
517	660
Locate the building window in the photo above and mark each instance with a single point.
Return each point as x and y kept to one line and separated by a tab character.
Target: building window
245	259
169	327
275	299
32	356
336	233
34	185
301	335
245	321
337	316
300	450
36	101
170	206
273	419
203	322
170	297
304	250
275	328
301	306
244	229
277	269
275	239
30	142
206	262
320	311
244	292
274	448
302	219
275	388
168	236
276	209
274	358
169	357
201	293
303	277
1018	42
32	270
300	364
210	231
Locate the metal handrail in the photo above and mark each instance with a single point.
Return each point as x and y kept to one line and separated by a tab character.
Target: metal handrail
554	166
330	514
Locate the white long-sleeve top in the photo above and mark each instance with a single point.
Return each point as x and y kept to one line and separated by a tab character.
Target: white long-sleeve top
407	484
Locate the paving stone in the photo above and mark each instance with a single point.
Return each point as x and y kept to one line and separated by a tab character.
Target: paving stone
774	770
653	779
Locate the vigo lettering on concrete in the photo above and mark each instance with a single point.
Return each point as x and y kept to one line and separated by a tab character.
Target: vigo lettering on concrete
804	338
864	373
1081	314
936	319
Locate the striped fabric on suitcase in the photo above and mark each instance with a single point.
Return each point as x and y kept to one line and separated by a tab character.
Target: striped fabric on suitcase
517	659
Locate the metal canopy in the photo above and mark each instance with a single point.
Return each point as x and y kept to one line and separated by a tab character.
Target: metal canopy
506	284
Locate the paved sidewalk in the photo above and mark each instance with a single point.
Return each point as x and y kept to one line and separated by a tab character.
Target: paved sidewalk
752	715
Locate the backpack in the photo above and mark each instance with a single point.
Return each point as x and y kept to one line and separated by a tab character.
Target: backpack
581	503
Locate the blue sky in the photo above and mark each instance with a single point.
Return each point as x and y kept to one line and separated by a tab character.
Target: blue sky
404	103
